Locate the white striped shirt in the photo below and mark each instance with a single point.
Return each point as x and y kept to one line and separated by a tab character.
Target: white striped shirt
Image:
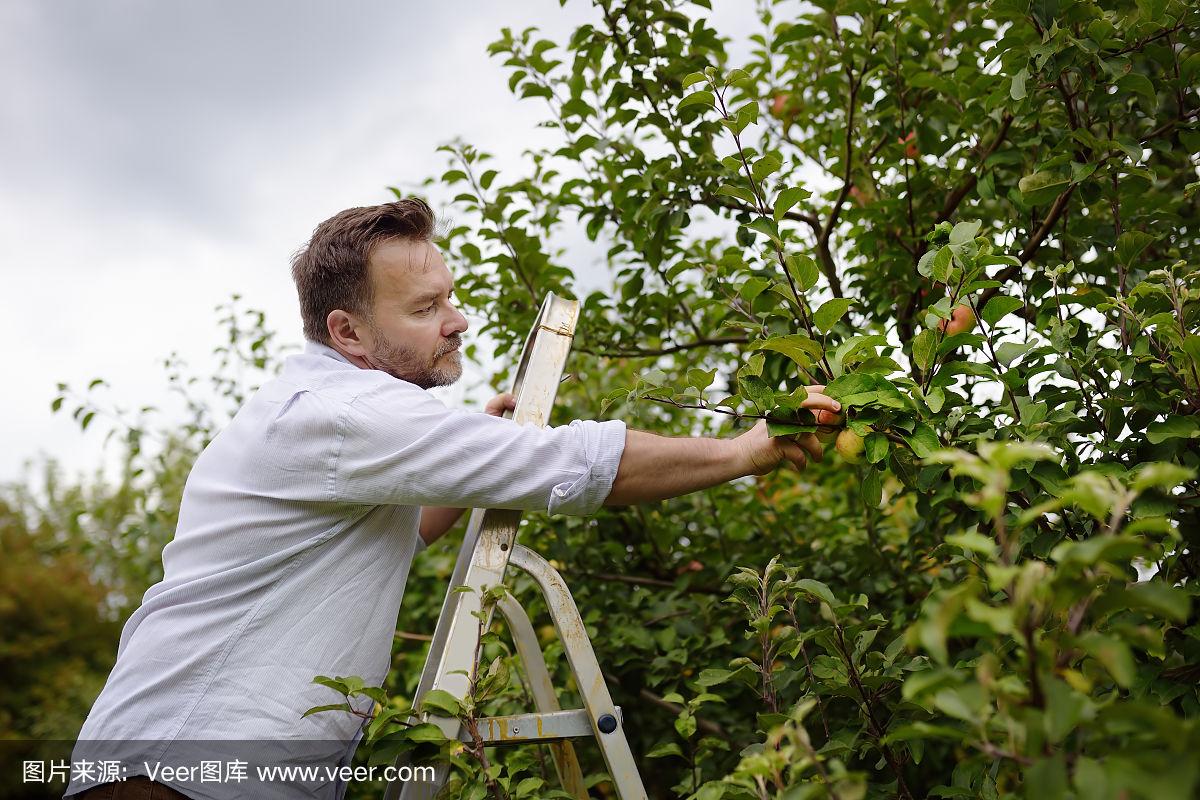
296	531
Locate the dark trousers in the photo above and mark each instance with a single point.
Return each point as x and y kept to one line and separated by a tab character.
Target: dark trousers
138	788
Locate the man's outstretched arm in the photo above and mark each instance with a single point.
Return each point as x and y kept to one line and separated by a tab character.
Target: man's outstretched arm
658	467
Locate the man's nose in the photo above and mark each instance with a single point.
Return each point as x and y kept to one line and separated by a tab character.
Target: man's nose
458	323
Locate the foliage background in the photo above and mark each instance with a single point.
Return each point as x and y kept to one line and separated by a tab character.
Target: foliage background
997	599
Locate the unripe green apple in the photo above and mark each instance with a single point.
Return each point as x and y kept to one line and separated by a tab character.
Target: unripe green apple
850	446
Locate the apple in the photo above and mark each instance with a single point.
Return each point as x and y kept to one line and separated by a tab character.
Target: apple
962	319
779	105
910	142
850	446
857	196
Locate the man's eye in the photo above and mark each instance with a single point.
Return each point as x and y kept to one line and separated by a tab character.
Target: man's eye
429	308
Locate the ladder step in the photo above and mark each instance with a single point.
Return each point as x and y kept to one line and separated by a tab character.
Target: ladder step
520	728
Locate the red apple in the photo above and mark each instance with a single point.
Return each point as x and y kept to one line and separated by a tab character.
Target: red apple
910	142
962	319
779	105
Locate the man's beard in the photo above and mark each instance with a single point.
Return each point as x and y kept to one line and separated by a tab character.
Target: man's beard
407	365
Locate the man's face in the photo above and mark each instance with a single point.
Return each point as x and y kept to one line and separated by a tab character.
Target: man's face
415	326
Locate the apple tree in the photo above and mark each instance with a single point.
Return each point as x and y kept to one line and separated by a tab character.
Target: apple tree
977	225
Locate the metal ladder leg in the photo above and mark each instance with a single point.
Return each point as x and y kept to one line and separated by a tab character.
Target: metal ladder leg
604	716
544	698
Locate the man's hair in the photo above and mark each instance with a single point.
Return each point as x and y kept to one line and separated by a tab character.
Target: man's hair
331	270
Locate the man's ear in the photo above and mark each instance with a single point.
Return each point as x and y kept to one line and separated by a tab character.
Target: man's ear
348	333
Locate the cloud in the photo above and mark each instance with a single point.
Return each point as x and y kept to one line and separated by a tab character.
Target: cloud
156	157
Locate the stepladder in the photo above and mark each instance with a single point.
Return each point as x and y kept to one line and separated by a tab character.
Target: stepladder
488	551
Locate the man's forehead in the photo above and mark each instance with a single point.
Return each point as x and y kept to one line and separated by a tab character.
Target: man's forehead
409	268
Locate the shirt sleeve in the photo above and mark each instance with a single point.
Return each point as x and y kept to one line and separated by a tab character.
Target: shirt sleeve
401	445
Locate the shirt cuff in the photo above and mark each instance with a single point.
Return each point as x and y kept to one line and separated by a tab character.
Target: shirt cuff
603	445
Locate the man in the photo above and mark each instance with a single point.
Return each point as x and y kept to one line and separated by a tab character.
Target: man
299	521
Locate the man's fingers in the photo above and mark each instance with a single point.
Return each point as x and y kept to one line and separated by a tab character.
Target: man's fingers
828	418
500	403
816	400
812	446
794	453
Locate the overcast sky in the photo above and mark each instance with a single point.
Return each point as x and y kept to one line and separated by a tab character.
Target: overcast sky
157	156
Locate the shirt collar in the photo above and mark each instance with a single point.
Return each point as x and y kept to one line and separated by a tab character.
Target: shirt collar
318	349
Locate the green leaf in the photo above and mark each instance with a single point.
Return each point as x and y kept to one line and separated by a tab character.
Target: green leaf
876	447
695	77
1167	601
830	312
685	724
1130	245
973	541
1113	653
714	677
872	488
1161	475
1152	10
924	730
766	166
796	346
964	232
1041	187
923	441
943	264
858	389
1017	90
424	732
756	390
816	589
1065	709
701	378
788	198
803	271
788	428
1047	779
439	701
739	192
664	749
336	684
998	307
925	265
702	97
333	707
923	348
1008	352
1173	428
